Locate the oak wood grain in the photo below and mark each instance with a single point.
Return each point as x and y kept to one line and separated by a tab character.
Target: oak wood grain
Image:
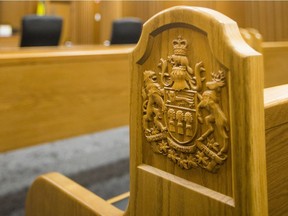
52	94
276	126
243	177
159	187
64	197
275	63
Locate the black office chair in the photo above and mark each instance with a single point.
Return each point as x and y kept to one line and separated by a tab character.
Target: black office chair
41	30
126	30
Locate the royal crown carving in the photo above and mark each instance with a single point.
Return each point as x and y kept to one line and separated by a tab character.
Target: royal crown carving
182	114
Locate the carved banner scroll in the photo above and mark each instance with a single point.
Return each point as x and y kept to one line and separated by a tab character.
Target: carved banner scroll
182	112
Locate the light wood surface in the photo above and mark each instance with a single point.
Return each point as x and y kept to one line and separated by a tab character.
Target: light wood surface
12	41
275	57
253	38
64	197
119	198
49	94
158	185
275	63
11	12
83	22
276	127
276	106
269	17
275	102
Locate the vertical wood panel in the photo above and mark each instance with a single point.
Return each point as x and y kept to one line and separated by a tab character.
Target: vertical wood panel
83	22
285	21
11	12
96	29
270	18
278	22
234	10
141	9
109	10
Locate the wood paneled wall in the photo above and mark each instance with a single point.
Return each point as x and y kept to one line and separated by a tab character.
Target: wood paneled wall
80	27
269	17
83	22
12	11
109	11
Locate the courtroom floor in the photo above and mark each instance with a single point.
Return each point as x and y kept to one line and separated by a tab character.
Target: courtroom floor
99	162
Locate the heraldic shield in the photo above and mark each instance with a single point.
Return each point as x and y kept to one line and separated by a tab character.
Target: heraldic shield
173	121
180	114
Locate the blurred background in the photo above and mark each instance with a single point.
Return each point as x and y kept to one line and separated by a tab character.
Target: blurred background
90	22
99	161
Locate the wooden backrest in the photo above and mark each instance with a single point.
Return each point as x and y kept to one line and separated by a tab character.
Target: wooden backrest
197	129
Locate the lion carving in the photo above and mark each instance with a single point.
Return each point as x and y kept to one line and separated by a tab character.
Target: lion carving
153	101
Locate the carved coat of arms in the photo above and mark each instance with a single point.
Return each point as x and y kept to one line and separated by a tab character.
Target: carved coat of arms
174	120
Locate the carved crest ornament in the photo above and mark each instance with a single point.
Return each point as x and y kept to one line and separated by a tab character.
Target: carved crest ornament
182	115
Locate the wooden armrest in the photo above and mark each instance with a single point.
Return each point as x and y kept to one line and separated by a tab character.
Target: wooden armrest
57	195
275	104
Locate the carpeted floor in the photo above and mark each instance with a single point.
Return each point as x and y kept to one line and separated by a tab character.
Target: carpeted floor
99	162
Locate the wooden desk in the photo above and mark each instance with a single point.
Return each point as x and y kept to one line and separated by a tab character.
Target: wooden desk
52	93
9	42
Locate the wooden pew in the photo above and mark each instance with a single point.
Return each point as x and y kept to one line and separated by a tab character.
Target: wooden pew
177	180
276	126
275	63
53	93
275	57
